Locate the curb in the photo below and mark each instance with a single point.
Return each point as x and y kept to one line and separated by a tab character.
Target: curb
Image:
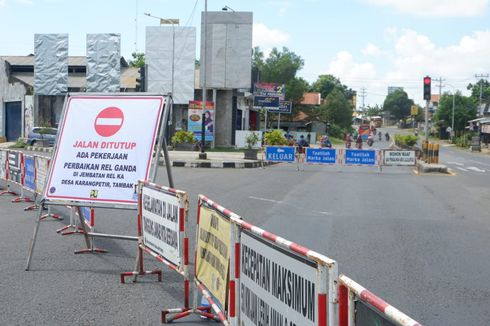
430	168
40	149
217	164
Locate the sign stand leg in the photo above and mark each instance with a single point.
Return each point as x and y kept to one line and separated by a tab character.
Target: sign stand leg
73	225
32	243
49	214
139	269
8	191
89	241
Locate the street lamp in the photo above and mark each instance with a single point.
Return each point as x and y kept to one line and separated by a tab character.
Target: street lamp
226	8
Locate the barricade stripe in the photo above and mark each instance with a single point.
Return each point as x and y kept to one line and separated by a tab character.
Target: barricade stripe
181	219
232	298
299	249
237	260
373	300
322	309
186	251
343	305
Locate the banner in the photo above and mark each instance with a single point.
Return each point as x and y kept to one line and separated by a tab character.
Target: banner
213	254
3	164
42	165
276	287
321	155
29	173
270	89
360	157
194	122
280	154
105	146
14	160
160	223
391	157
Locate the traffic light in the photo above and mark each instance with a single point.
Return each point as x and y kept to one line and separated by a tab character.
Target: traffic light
141	80
427	82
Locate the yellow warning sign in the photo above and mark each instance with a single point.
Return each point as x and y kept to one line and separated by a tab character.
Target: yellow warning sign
213	253
414	110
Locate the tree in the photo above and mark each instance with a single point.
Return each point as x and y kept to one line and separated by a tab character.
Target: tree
464	110
325	84
373	111
281	67
485	91
138	60
337	109
398	104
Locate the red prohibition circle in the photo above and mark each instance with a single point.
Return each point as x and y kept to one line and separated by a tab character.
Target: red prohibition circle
109	121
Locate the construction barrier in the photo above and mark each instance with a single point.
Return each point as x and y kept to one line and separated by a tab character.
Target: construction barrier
3	166
272	281
399	157
358	307
12	171
162	233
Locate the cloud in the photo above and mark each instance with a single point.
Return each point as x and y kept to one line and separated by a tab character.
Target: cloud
371	50
2	3
408	58
436	8
24	2
345	66
267	38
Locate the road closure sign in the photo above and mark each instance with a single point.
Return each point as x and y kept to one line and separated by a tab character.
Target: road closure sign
104	147
391	157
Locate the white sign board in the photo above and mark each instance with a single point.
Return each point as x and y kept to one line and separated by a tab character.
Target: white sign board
392	157
276	287
104	147
3	164
42	165
160	224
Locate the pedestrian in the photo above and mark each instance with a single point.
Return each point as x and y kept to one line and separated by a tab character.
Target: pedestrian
348	140
300	151
359	142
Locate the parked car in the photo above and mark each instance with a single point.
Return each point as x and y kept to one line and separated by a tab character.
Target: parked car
42	136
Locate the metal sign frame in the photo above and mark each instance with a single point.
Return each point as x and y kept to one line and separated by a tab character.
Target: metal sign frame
161	129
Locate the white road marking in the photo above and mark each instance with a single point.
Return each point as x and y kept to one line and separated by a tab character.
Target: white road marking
456	163
473	168
477	162
286	203
460	168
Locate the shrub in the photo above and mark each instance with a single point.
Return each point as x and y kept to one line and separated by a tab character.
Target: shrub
251	140
182	136
338	132
20	143
275	137
406	140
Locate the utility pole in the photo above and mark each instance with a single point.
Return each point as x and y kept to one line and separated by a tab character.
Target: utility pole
363	94
480	77
440	80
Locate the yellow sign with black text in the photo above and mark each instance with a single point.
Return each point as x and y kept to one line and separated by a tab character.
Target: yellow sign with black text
213	253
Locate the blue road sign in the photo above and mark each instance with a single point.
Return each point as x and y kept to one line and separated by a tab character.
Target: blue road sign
285	107
360	157
279	153
29	173
266	102
321	155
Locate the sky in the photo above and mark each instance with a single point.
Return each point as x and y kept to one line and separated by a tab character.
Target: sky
368	44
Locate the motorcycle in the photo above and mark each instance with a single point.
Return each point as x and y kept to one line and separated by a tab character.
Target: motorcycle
387	135
370	142
379	136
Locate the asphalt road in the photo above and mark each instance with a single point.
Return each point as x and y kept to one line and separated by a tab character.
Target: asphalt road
418	241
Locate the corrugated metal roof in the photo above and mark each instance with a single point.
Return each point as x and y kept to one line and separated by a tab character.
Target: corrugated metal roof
29	60
128	78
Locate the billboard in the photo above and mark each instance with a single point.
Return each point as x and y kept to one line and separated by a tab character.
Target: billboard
228	55
170	54
103	62
50	64
104	147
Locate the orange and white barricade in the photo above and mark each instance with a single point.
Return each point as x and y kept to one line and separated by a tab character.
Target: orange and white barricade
162	225
357	303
